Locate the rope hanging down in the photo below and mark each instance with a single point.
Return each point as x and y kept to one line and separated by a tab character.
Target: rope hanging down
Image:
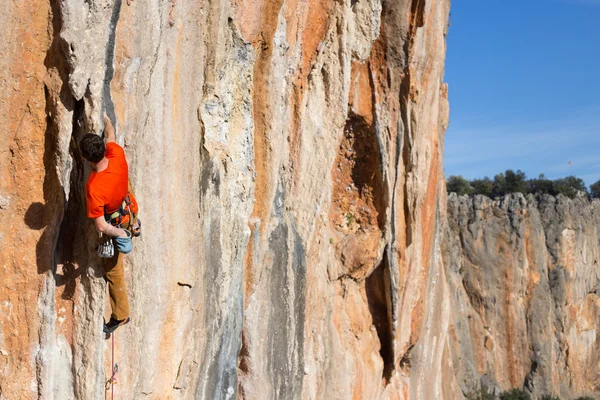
110	109
110	384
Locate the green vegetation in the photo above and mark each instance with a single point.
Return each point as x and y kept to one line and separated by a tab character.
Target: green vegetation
595	190
481	394
350	218
516	182
569	186
515	394
483	186
509	182
458	185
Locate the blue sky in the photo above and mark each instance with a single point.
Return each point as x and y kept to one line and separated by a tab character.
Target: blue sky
524	81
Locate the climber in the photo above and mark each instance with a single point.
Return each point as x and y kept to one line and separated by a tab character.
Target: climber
109	199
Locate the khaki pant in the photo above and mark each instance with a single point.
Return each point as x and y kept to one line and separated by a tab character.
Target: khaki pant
114	272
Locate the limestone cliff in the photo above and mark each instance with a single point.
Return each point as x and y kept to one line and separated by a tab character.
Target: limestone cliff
287	158
524	287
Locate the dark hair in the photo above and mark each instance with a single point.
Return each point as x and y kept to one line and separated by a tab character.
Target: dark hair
92	147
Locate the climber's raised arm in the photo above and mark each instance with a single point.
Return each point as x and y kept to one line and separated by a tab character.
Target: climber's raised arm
109	130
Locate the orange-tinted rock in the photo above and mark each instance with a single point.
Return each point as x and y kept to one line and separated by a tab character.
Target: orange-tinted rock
525	311
287	161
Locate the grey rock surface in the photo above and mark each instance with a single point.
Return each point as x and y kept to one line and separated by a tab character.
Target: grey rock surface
524	278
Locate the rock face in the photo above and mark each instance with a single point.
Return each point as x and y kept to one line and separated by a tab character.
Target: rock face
287	158
524	287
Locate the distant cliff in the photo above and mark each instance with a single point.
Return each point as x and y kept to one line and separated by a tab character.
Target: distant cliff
524	285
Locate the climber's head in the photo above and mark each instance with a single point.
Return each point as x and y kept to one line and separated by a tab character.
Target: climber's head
92	148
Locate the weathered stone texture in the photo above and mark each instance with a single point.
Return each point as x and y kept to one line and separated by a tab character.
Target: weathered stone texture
287	157
524	292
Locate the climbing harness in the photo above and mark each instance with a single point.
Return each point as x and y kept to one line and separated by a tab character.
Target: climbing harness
126	214
126	218
110	384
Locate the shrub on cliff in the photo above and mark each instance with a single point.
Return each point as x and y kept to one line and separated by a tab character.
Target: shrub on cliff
517	182
483	186
595	190
541	185
499	186
458	185
509	182
481	394
550	397
503	183
515	394
569	186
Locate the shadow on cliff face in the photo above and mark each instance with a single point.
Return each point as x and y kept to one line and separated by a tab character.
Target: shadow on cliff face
358	200
378	295
51	252
36	218
58	100
62	227
358	214
62	216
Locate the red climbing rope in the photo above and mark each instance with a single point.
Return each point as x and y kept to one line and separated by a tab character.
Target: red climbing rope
115	368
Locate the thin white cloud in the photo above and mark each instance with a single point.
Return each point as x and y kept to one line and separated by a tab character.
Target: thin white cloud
534	147
511	143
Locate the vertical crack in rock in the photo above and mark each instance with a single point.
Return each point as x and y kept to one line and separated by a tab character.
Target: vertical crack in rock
110	63
406	149
408	119
418	12
54	365
358	214
71	247
378	288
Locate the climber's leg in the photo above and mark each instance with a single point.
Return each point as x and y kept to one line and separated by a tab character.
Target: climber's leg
114	271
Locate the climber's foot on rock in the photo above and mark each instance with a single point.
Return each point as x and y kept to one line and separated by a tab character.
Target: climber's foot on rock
113	324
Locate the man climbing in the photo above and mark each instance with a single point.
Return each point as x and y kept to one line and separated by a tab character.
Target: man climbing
109	199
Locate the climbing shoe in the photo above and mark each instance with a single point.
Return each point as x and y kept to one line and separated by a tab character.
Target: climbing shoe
113	324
